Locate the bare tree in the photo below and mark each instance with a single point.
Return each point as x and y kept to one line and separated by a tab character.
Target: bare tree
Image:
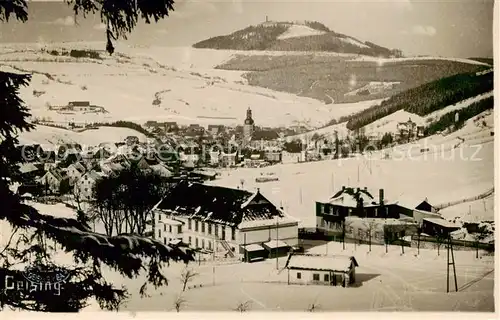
313	307
345	226
440	239
419	231
243	306
187	276
179	302
370	227
479	236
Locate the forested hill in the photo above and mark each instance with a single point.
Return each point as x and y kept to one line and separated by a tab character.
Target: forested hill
295	36
427	98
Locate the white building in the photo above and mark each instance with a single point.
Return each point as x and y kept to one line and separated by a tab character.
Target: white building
224	220
321	269
85	185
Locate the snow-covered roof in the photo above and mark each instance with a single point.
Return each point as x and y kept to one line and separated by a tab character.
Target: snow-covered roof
337	263
273	244
267	222
170	222
254	247
442	222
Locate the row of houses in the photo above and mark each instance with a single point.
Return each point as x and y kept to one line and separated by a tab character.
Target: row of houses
357	214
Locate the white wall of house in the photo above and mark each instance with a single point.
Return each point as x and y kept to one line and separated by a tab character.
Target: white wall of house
168	229
84	187
287	233
308	277
52	182
73	174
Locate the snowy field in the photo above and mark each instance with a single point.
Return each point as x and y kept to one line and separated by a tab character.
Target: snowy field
183	81
385	282
45	135
441	177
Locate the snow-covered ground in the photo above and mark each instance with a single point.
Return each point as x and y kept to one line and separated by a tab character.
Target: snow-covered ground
165	84
45	135
389	123
295	31
474	211
374	87
392	60
354	42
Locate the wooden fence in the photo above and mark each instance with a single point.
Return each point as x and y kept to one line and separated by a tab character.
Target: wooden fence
432	242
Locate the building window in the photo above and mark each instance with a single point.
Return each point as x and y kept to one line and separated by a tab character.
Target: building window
189	224
223	233
209	228
189	240
203	243
203	227
216	230
159	216
299	275
316	276
159	233
165	227
326	209
196	242
233	233
164	241
196	226
209	245
170	229
327	278
179	229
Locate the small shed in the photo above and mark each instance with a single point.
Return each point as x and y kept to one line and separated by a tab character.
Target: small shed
321	269
253	252
276	248
438	226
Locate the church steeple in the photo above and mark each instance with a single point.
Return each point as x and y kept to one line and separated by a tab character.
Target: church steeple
249	120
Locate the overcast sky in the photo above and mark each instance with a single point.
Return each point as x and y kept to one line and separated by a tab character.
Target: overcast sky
455	28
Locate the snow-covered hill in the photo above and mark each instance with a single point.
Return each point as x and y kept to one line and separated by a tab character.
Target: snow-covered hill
154	84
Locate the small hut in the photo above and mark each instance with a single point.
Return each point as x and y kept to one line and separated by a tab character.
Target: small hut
321	269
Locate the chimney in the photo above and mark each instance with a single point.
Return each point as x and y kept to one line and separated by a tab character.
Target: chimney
366	189
381	196
258	190
343	188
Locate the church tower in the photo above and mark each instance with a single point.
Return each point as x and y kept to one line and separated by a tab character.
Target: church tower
248	126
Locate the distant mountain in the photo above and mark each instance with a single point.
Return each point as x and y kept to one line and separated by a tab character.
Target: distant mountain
295	36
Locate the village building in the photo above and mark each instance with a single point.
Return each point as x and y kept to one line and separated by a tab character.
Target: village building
438	227
334	270
379	231
228	159
248	128
226	221
74	172
51	180
330	213
85	185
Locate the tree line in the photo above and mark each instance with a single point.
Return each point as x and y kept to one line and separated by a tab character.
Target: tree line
123	202
448	120
426	98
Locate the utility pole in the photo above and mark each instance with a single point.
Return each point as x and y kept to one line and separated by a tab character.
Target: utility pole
358	173
300	194
276	252
450	251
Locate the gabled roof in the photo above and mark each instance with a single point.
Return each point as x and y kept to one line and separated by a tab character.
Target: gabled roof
346	198
217	204
442	222
337	263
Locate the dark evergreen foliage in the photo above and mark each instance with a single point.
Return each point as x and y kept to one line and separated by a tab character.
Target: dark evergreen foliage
126	253
448	120
426	98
